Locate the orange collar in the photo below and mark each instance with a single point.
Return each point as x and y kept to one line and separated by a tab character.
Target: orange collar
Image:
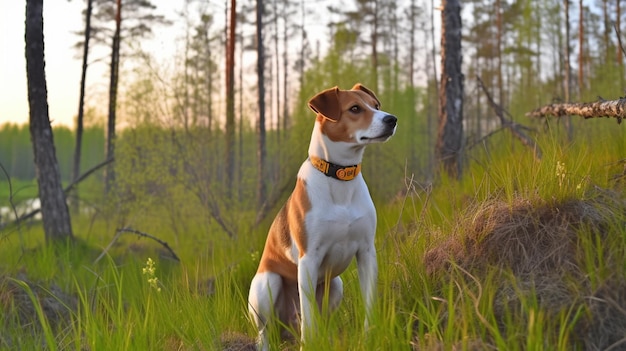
335	171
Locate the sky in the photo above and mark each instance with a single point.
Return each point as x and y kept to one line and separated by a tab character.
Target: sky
62	19
62	67
63	63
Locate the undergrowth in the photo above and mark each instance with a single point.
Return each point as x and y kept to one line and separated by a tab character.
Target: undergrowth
458	269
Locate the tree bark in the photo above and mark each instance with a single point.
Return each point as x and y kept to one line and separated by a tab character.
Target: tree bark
602	108
277	74
568	71
581	61
261	153
230	99
81	99
450	135
499	51
375	44
54	211
109	174
618	26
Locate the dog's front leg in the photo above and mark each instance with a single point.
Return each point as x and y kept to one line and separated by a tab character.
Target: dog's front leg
368	273
307	283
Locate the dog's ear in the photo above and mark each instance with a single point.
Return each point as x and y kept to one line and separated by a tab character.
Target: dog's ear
326	103
360	87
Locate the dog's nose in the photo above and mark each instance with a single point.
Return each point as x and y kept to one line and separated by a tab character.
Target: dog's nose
390	120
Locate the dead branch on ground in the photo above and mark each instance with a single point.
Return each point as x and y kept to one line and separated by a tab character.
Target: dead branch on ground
119	231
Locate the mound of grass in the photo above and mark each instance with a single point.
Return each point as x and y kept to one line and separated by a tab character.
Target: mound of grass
564	257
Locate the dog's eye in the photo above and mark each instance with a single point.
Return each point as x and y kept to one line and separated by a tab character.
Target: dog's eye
377	106
355	109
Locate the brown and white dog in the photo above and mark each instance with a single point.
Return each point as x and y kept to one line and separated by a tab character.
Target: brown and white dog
328	220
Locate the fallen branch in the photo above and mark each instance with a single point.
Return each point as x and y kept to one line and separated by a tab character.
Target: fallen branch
601	108
516	129
119	231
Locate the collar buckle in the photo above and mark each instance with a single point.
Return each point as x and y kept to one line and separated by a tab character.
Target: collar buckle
332	170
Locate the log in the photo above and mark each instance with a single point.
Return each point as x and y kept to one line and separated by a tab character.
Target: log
601	108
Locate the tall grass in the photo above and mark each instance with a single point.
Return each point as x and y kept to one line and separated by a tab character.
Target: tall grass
201	302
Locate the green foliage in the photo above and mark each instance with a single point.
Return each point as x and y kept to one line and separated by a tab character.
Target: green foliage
170	183
16	151
200	303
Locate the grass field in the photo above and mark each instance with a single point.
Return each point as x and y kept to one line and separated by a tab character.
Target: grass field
519	255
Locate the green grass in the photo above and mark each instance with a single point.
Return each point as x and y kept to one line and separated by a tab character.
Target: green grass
19	189
200	303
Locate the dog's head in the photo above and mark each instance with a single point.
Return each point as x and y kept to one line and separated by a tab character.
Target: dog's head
353	116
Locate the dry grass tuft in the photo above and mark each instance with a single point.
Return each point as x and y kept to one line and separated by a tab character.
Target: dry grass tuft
542	249
234	341
527	237
605	329
18	311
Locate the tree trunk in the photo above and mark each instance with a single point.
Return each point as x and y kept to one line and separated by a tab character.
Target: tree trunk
109	175
450	135
302	45
581	61
568	71
54	211
277	73
607	29
618	26
375	45
230	99
285	77
261	189
499	51
81	100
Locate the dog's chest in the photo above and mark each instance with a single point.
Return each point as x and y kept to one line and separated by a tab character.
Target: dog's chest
341	222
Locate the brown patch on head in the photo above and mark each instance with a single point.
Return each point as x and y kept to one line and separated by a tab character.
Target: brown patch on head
358	86
288	228
326	104
343	112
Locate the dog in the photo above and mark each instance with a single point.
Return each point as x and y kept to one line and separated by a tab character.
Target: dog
328	220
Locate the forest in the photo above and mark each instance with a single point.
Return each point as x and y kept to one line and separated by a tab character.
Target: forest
500	224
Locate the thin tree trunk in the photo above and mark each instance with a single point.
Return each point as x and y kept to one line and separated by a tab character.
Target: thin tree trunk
499	51
450	135
277	73
54	211
430	123
568	70
261	188
115	64
209	83
581	57
285	77
618	25
240	164
375	45
412	19
81	100
607	30
230	99
302	42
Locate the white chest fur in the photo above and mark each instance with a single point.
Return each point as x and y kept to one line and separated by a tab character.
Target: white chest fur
341	222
